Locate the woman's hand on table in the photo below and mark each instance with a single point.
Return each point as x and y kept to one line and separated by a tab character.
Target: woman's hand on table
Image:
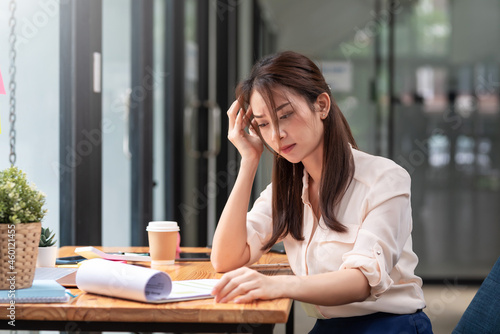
245	285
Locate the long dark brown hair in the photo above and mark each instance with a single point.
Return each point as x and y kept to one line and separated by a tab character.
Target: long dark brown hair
299	74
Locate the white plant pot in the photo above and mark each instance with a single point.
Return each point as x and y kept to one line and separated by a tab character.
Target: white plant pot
46	256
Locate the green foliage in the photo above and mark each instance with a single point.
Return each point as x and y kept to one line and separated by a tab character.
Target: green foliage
20	202
47	238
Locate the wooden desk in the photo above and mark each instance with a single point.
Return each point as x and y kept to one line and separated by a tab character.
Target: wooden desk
89	312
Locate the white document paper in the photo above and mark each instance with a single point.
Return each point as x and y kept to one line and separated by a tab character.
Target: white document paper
90	252
138	283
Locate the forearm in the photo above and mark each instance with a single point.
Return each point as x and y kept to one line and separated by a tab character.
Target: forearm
328	289
229	246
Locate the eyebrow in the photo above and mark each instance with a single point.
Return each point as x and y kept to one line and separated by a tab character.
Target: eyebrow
276	110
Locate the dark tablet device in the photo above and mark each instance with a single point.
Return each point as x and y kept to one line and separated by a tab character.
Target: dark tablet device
183	256
278	248
187	256
69	260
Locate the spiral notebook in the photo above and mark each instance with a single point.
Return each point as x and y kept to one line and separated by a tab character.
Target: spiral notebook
42	291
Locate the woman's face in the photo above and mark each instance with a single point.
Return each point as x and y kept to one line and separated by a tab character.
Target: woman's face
301	130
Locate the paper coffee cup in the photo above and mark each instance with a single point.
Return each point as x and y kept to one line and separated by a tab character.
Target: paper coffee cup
162	236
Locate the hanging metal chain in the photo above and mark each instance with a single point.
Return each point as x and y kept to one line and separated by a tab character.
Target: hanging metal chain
12	84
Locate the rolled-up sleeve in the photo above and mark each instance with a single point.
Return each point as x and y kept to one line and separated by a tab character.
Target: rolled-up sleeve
259	224
384	231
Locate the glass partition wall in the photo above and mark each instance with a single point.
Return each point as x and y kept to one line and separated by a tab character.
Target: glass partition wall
419	83
447	131
422	88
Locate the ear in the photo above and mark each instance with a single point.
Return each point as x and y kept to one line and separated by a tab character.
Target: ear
323	104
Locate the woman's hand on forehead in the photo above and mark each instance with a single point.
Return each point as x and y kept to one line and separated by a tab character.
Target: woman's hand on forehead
248	143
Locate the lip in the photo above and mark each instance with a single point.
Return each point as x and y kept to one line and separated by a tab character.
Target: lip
286	149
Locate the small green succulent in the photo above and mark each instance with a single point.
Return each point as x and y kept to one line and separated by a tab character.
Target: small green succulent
47	238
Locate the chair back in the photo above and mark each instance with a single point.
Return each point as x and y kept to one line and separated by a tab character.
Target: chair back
483	313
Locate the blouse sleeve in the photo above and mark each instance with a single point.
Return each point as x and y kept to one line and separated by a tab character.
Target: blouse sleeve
259	224
384	231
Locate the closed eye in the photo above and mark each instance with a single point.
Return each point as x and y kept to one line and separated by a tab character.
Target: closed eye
285	116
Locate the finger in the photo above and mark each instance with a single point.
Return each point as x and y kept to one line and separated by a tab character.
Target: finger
251	129
219	286
242	289
226	278
248	297
238	124
232	280
241	285
250	112
231	285
247	117
245	121
231	113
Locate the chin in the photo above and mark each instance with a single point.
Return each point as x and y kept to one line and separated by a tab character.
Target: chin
292	160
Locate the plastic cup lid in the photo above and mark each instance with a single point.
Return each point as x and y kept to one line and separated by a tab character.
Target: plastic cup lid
167	226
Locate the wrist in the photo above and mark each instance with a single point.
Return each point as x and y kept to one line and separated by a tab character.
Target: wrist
287	285
250	164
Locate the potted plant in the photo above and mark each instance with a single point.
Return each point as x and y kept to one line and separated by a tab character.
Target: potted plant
21	213
47	251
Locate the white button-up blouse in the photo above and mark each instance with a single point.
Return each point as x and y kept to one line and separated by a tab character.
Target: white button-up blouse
376	210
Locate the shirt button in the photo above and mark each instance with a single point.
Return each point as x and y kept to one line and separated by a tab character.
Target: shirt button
379	252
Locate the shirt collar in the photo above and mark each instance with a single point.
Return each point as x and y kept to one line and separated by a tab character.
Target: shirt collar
305	187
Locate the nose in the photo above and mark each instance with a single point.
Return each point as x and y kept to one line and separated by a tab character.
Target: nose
279	135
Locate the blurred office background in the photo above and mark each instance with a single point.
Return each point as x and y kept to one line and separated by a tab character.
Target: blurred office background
120	110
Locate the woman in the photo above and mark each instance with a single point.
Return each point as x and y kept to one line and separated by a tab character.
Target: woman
344	216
